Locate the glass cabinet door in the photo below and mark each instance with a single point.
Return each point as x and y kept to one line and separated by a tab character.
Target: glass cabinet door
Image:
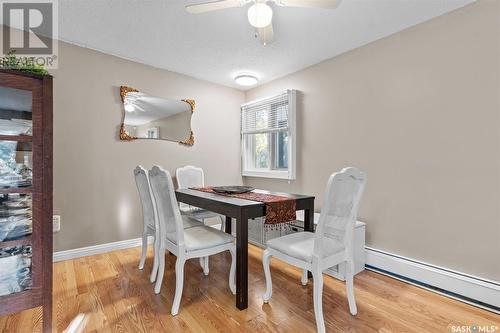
16	181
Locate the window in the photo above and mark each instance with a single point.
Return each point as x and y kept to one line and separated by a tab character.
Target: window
153	133
268	136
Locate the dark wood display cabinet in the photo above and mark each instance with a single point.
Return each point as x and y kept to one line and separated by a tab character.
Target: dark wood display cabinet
26	193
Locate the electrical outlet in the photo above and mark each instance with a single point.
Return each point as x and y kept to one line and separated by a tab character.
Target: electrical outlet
56	223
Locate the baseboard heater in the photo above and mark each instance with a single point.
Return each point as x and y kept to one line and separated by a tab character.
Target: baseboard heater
463	287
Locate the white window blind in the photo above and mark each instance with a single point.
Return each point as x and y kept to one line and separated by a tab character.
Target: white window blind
268	137
265	116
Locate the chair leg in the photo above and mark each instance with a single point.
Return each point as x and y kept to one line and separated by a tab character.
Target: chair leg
222	223
179	284
206	269
161	270
232	271
154	271
144	250
349	282
304	279
318	299
204	265
266	260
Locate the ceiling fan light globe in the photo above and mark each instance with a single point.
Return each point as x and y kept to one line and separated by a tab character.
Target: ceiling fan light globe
129	107
260	15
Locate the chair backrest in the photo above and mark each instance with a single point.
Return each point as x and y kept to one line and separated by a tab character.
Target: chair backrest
340	209
169	216
189	176
148	207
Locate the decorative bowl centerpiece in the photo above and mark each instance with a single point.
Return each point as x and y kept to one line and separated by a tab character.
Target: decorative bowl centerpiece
233	189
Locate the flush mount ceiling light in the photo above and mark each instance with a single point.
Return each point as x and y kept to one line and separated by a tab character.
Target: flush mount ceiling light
260	14
246	79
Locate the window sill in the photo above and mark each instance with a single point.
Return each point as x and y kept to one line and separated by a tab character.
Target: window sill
267	174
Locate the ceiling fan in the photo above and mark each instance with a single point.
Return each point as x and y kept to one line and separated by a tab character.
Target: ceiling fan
260	14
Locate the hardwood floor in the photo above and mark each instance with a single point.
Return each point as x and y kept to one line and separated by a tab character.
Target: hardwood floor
117	297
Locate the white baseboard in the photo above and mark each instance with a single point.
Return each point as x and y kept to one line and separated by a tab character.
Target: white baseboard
465	285
98	249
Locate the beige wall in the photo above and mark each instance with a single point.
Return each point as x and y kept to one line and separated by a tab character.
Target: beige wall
419	112
94	189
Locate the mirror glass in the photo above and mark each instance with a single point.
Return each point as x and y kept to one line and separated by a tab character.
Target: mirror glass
157	118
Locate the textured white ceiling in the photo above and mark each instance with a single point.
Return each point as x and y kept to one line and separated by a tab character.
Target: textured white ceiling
214	46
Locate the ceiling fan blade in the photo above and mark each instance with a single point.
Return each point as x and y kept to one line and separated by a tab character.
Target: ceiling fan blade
214	5
266	34
327	4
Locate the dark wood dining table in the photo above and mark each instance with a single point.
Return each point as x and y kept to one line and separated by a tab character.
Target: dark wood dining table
242	210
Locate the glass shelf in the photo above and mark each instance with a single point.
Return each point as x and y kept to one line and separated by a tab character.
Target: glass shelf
16	242
19	138
19	190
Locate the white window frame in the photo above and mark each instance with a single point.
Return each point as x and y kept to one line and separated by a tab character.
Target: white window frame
247	153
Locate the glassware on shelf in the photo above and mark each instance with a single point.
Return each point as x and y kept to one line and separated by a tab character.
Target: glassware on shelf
25	171
12	174
15	217
15	275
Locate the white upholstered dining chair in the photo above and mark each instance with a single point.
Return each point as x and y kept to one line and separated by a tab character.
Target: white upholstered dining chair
150	219
148	215
329	245
195	242
191	176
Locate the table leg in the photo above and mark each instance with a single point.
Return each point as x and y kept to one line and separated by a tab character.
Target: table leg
242	261
309	222
309	217
227	227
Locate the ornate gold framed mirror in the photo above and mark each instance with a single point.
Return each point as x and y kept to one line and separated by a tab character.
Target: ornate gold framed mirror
155	118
